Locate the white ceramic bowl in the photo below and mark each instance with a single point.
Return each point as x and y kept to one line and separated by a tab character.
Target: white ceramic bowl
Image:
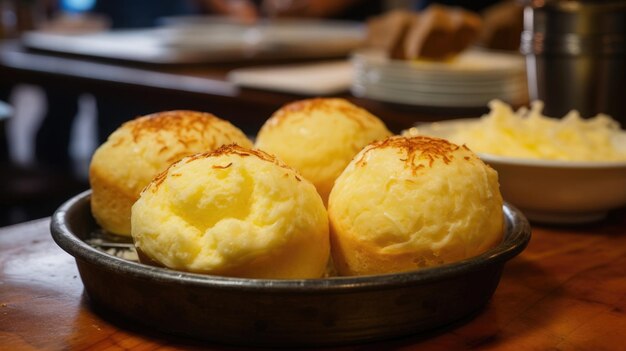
552	191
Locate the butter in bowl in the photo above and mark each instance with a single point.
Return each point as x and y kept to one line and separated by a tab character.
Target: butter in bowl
568	170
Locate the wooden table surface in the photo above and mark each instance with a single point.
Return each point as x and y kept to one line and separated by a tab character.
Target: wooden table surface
566	291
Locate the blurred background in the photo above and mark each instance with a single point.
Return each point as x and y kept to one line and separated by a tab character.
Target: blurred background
72	71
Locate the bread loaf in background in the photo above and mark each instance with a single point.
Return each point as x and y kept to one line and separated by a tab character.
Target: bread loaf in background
502	26
440	32
388	31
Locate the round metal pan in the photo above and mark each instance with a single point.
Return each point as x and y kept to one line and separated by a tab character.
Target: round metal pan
285	313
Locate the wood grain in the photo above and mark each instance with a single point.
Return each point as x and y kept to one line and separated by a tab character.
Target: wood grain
566	291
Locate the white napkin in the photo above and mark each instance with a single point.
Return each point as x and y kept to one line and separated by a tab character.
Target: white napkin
324	78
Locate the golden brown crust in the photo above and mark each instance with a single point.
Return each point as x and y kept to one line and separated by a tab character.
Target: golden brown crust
177	121
230	149
234	149
417	147
186	125
327	105
110	204
353	257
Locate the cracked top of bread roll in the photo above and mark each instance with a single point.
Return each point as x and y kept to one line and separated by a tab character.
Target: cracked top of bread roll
410	202
142	148
319	137
233	212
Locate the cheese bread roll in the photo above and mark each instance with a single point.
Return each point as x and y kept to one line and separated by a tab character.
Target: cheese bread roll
319	137
407	203
142	148
233	212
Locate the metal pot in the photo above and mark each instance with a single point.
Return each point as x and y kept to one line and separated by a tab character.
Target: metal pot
576	55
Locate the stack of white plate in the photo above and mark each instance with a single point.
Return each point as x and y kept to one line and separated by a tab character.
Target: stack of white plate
471	79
